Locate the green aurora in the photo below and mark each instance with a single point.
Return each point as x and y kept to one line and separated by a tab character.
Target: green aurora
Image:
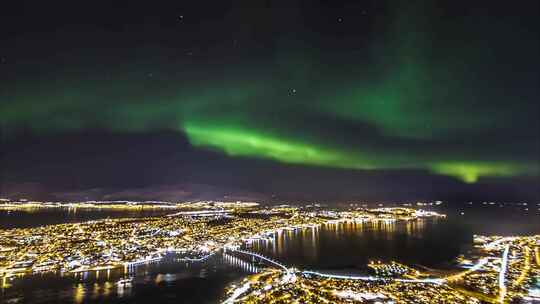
237	142
407	101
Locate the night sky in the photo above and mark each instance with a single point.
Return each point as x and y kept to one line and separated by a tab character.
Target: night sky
284	99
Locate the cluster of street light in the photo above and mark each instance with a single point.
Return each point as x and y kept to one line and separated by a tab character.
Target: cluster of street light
505	271
499	270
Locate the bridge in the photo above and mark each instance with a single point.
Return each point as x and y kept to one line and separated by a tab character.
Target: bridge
289	273
337	276
201	259
240	263
288	277
262	257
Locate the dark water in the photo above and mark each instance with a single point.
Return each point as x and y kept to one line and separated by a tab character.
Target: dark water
166	281
349	246
337	248
496	219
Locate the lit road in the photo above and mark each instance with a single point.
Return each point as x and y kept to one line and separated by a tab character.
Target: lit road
238	292
502	274
526	267
537	255
371	278
476	267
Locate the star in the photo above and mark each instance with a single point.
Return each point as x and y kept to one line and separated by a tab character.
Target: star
340	19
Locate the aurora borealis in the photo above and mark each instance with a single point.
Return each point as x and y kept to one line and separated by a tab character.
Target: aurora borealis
448	90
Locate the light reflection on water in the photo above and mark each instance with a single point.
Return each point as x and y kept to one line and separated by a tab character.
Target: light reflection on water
351	245
164	280
345	246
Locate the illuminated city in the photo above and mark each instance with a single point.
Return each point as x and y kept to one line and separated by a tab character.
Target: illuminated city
495	276
321	151
498	270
